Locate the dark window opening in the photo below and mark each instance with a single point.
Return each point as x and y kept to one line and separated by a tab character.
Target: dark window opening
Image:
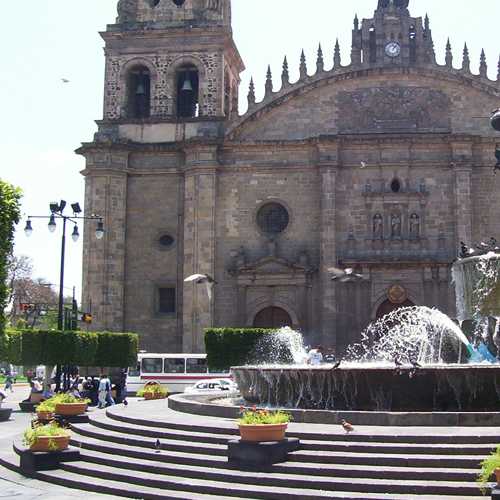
273	218
174	365
373	45
227	94
188	87
152	365
166	300
155	3
139	93
166	241
395	186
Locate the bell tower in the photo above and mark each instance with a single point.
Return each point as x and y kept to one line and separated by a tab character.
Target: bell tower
393	37
171	60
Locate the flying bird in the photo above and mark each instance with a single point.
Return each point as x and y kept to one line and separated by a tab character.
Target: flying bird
337	365
363	164
158	446
347	426
64	80
200	279
465	251
344	275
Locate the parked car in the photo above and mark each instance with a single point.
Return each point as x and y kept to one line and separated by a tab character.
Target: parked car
211	385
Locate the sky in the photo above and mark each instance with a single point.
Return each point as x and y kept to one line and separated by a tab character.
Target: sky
45	119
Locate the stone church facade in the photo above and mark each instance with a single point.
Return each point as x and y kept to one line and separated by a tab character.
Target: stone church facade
383	164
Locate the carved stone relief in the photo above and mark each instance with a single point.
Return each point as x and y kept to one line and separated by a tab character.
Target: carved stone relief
386	109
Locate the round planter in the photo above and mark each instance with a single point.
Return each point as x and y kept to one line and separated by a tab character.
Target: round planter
44	416
47	444
71	409
5	414
148	396
263	432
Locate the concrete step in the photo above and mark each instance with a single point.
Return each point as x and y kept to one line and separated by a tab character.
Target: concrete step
291	467
269	488
482	449
288	477
432	461
171	420
104	422
409	448
90	430
370	457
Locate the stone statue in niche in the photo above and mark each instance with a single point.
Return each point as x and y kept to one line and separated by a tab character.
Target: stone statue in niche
395	226
378	227
241	258
126	11
414	226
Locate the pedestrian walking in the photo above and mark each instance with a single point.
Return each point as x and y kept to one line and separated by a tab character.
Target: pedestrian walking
9	383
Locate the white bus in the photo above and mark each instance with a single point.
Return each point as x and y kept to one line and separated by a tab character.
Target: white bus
174	371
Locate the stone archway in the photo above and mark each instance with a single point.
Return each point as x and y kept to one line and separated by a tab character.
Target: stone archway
272	317
387	307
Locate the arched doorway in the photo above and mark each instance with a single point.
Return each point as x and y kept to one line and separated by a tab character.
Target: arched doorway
272	317
388	306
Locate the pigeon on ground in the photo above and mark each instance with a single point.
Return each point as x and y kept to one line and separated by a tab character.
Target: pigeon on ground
344	275
200	279
347	426
158	446
125	402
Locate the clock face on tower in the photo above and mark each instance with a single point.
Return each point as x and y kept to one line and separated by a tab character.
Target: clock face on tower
393	49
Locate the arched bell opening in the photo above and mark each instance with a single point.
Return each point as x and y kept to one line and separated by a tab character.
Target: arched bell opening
188	89
139	93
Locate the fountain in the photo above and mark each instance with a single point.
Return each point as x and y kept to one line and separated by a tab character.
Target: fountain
414	360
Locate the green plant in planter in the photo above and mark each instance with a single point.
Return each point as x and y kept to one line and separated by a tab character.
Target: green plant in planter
66	398
255	416
51	430
153	389
488	467
47	406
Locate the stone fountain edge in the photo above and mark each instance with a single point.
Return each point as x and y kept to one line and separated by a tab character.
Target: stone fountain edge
204	405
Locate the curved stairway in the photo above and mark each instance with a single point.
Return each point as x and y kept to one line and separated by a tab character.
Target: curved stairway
118	457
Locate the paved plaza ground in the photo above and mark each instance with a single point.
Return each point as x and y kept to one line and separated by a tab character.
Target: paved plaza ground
15	486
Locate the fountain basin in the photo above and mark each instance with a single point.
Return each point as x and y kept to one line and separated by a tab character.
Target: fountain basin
451	388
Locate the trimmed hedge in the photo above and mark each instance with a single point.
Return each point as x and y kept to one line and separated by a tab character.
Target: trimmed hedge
116	349
32	347
227	347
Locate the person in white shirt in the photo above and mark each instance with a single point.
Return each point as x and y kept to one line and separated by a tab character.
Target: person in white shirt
315	356
104	387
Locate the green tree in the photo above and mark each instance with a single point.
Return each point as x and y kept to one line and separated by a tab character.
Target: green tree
10	197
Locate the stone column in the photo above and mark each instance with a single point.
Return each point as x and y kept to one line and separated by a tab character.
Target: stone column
199	242
462	158
104	260
328	257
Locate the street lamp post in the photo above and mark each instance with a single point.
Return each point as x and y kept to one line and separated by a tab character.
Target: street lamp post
57	212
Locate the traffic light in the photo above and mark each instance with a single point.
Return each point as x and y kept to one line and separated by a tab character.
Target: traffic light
87	318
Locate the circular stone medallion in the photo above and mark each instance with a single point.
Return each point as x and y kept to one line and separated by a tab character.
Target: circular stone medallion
397	294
